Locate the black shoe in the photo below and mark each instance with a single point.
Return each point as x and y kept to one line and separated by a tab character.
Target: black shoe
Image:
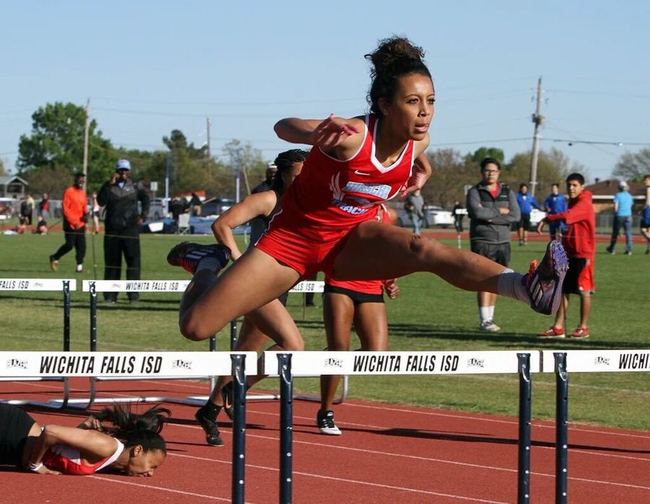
325	423
207	417
226	396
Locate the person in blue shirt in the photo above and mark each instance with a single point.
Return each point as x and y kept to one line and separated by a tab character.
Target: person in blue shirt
556	203
526	204
645	214
623	203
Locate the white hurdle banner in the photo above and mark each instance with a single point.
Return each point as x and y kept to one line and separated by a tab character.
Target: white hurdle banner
136	285
168	286
308	286
36	284
402	363
599	361
135	365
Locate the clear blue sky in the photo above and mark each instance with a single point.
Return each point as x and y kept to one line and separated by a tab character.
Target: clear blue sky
152	66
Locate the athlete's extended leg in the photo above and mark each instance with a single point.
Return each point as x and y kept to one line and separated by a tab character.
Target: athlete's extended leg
211	302
376	251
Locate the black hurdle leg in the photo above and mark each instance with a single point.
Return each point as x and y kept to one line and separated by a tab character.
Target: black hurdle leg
561	428
238	428
286	428
525	394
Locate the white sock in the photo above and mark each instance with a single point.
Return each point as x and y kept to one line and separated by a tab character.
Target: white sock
491	311
209	263
509	284
484	313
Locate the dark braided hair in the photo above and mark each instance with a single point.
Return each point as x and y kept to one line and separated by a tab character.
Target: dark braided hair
284	162
394	58
136	429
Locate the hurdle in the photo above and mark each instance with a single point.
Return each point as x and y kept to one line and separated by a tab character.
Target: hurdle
45	285
146	365
581	361
286	365
304	287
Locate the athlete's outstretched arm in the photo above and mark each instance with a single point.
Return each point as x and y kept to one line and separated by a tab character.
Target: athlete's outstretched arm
333	132
253	206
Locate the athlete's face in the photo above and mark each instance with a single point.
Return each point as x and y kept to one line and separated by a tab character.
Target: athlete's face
574	188
411	109
143	463
289	175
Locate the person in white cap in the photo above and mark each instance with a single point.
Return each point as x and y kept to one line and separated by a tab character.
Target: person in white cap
122	224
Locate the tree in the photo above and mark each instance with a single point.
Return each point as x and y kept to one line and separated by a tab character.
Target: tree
248	159
552	167
633	165
57	140
483	152
451	172
3	170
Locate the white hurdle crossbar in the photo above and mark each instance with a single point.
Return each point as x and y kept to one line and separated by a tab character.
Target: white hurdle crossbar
63	285
286	365
149	365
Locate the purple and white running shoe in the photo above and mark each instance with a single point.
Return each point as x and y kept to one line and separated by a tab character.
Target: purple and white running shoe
544	284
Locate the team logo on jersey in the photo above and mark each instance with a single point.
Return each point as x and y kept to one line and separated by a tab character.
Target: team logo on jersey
349	198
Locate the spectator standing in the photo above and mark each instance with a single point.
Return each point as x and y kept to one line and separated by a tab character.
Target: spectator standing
492	209
414	207
556	203
75	216
459	215
622	218
645	214
267	183
122	223
580	245
526	204
43	210
195	205
27	210
95	212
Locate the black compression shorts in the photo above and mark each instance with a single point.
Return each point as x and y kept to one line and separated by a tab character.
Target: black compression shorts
14	427
356	297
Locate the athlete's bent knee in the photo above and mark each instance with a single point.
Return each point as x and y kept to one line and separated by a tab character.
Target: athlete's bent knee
192	330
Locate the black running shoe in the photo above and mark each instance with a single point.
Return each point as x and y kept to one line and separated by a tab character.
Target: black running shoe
188	255
325	423
207	417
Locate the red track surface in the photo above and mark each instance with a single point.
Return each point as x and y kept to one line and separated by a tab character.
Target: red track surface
387	454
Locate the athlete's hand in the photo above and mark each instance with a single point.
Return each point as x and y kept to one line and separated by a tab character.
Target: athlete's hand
419	176
391	288
45	470
332	132
91	423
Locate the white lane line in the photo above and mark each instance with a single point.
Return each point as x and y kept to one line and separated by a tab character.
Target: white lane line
351	481
163	489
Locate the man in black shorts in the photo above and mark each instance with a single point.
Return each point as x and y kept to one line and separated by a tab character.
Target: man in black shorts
492	208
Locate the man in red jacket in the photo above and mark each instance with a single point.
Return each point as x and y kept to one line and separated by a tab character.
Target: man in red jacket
580	245
75	216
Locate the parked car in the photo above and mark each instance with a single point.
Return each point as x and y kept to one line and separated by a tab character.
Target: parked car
216	206
159	208
433	216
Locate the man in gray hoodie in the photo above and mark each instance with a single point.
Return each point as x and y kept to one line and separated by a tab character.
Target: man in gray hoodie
492	208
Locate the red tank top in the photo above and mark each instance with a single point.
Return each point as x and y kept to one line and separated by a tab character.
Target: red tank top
331	195
68	460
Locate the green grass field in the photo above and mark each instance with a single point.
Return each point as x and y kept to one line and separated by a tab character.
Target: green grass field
429	315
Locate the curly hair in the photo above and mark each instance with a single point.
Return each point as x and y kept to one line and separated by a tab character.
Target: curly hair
136	429
284	162
394	58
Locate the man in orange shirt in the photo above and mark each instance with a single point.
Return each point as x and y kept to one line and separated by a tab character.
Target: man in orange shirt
75	216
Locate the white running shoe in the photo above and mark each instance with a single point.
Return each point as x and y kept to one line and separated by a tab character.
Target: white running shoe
489	326
325	422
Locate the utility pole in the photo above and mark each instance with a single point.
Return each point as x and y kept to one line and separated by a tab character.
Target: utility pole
538	120
238	177
86	133
207	121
